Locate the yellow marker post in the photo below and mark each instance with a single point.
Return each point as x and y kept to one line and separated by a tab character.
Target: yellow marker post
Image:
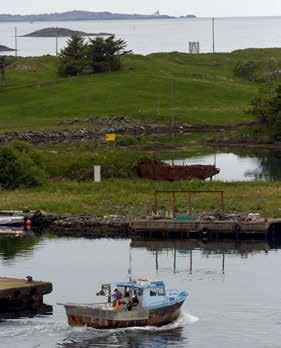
110	138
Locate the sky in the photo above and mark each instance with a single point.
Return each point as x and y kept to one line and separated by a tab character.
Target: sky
201	8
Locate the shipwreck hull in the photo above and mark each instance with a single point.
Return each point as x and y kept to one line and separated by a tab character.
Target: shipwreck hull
100	319
158	170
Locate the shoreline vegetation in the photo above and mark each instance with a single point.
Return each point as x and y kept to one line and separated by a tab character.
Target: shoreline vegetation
207	94
135	197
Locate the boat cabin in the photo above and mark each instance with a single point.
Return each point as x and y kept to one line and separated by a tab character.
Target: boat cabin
141	293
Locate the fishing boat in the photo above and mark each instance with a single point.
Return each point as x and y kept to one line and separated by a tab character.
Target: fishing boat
130	304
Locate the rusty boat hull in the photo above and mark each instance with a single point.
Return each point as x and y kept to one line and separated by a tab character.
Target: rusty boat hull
112	319
158	170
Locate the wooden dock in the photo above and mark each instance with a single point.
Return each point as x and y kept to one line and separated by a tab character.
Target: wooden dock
9	232
217	229
22	294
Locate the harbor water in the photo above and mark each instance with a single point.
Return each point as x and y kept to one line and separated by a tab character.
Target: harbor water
234	291
241	165
148	36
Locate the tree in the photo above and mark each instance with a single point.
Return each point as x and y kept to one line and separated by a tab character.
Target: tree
99	55
266	108
73	58
104	54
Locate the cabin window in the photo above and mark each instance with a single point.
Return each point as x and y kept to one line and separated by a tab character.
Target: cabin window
153	293
161	292
139	292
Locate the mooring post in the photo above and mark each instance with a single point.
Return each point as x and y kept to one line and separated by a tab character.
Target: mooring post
223	261
175	259
190	262
156	260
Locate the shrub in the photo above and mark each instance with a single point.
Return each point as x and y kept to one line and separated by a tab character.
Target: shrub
125	140
114	164
258	71
20	166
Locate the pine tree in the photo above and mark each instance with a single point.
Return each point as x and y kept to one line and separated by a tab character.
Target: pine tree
104	54
73	58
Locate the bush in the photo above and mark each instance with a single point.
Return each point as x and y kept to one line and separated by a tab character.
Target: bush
114	164
126	140
258	71
266	108
20	166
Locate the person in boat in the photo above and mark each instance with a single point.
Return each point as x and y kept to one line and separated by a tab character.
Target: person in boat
117	296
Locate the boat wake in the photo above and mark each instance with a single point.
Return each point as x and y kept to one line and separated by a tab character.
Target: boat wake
59	334
148	336
183	319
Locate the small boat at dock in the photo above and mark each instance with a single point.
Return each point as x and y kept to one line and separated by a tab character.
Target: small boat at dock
11	219
130	304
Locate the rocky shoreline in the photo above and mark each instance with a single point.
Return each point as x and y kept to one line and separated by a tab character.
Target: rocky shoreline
241	143
81	225
95	128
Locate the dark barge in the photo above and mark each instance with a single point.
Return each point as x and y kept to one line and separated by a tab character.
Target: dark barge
158	170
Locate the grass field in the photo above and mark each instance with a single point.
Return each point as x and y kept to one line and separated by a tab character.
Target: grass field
205	90
136	197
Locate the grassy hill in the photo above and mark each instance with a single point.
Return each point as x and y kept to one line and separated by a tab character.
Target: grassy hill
205	90
205	93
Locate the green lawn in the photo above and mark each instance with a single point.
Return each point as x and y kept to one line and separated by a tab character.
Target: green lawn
205	90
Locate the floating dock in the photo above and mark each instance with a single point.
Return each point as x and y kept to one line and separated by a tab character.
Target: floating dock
22	294
217	229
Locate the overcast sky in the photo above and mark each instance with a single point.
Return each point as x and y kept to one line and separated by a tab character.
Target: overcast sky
206	8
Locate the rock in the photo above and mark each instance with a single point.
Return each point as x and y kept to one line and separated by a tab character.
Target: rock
62	32
6	49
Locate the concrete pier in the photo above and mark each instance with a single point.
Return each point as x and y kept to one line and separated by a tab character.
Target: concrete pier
22	294
170	228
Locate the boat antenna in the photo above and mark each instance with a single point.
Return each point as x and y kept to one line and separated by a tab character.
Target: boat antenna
130	265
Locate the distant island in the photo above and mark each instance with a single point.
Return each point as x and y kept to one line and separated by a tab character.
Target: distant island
62	32
81	15
6	49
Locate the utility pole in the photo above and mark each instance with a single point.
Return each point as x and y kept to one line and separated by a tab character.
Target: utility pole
57	43
16	41
213	33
